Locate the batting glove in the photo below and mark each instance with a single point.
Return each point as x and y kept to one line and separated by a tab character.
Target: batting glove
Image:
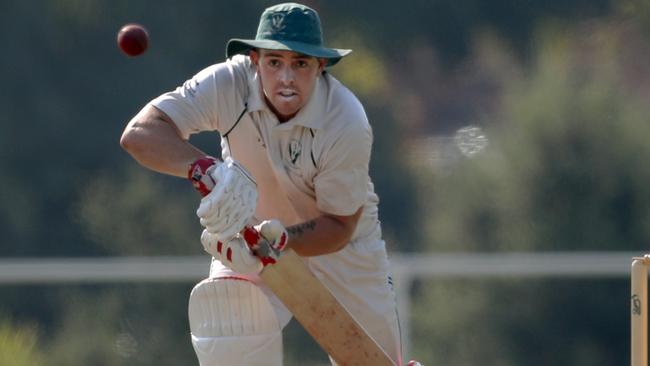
267	240
234	253
230	195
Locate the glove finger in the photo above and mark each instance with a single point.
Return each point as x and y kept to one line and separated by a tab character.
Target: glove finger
230	228
210	202
205	238
227	234
215	222
211	244
224	225
270	229
218	206
225	231
237	252
226	210
229	204
239	257
281	242
274	233
204	207
233	222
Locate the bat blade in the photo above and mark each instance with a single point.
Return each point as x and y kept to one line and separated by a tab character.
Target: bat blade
320	313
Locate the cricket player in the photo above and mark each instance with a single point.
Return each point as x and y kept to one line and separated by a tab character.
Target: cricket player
296	147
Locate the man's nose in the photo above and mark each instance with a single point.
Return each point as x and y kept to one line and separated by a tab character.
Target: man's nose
287	75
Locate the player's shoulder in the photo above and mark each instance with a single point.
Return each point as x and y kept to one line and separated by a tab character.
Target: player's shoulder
228	76
236	67
342	98
344	108
237	63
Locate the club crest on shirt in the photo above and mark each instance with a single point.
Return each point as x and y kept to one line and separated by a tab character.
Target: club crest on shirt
295	149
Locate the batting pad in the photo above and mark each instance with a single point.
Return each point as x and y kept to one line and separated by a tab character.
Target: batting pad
230	307
233	323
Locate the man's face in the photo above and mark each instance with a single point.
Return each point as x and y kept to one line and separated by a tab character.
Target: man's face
288	79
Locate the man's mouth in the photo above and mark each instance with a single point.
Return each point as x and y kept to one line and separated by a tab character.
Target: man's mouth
287	94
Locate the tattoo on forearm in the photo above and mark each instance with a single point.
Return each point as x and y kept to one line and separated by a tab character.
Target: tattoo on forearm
300	229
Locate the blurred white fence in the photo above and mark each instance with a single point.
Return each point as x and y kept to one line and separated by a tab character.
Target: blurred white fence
405	269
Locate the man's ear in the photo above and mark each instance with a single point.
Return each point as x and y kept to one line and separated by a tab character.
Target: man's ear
322	62
255	57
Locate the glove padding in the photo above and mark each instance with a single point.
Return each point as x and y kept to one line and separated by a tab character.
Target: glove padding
234	254
231	202
267	240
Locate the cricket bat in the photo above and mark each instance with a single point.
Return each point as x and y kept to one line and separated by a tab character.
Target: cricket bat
320	313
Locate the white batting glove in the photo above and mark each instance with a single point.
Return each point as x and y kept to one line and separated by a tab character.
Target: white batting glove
267	240
234	253
230	202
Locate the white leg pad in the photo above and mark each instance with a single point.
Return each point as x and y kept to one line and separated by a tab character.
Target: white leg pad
233	323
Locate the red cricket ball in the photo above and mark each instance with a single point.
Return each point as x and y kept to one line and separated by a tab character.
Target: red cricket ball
133	39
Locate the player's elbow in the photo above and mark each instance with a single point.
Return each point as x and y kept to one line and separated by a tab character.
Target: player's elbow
346	226
132	140
147	129
340	245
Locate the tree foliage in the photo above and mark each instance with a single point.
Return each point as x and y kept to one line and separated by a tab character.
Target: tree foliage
566	169
562	101
19	345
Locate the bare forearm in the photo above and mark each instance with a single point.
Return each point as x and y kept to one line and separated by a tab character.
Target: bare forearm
322	235
153	141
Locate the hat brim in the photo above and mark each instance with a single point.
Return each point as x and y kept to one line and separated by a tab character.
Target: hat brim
333	55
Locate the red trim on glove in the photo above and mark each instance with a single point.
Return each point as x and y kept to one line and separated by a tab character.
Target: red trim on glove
229	255
282	242
251	235
267	260
198	174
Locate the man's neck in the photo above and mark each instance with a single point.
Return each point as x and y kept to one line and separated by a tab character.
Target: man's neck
281	118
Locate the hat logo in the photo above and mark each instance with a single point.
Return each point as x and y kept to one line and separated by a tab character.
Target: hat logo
277	22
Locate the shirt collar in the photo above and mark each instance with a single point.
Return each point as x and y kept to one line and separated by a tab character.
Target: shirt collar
312	115
255	96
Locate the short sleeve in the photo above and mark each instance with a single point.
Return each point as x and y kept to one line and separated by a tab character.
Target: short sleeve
341	184
202	102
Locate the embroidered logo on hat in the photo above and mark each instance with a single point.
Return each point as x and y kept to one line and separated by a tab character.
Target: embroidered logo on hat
276	22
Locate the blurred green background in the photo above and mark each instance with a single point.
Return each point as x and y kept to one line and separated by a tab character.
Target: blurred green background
558	90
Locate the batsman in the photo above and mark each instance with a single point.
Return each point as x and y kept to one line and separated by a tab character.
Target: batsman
295	150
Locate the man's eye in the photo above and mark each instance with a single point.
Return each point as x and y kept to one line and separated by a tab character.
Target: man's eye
302	64
274	63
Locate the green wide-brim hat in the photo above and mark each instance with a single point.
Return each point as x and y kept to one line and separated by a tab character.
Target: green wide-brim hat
288	27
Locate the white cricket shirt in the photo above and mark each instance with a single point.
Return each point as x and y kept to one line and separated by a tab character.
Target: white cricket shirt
315	163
